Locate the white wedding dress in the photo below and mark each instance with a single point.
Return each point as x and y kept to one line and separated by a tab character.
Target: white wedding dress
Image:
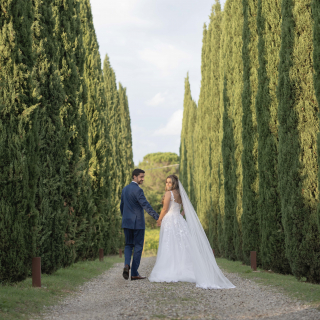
184	252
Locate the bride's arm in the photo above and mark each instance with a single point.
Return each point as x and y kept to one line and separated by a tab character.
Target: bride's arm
165	208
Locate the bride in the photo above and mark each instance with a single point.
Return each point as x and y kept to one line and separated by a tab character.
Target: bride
184	252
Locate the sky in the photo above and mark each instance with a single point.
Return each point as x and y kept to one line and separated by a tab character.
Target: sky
152	45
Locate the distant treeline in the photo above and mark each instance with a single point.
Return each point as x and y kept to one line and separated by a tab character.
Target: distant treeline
250	150
65	138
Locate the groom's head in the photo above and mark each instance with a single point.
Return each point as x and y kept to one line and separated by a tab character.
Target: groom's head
138	176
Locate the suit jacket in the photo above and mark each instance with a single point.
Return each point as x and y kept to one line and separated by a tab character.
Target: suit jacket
132	204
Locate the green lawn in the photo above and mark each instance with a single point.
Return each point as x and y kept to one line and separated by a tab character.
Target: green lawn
21	300
287	284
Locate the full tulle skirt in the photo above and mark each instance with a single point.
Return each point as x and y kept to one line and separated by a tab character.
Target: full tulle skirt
174	261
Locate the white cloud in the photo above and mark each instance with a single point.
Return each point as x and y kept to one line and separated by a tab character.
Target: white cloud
156	100
173	126
165	57
123	13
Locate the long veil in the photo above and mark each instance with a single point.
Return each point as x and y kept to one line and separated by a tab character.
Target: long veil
208	274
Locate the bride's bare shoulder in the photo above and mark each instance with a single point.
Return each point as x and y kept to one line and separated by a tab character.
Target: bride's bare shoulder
167	194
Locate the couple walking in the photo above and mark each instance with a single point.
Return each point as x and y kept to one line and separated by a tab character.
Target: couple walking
184	252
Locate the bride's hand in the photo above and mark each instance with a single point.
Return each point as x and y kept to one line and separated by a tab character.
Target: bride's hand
182	212
158	223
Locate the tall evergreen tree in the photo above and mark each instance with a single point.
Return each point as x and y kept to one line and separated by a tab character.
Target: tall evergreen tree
191	146
229	172
202	131
115	172
249	219
215	120
52	160
76	192
126	137
183	172
98	136
18	140
316	65
272	244
232	70
221	217
297	140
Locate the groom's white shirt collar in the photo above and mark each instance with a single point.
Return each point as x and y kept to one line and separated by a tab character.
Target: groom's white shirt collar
135	182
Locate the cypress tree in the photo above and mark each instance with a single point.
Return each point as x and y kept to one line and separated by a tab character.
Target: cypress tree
126	138
221	217
249	219
229	172
202	132
272	242
52	160
183	169
297	141
115	172
76	192
18	140
232	71
316	65
191	150
206	133
98	136
214	123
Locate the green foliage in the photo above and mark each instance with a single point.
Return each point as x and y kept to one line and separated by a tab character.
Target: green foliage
297	159
249	219
184	152
98	140
272	244
19	143
126	137
316	65
52	161
229	172
206	135
232	73
59	131
202	136
256	172
155	179
151	241
214	152
120	153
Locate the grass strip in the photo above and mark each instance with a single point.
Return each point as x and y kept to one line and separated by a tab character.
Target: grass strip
287	284
22	301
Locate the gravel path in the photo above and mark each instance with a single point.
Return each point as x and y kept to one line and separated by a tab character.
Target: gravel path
109	296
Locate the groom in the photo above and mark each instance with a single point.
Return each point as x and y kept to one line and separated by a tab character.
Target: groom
132	204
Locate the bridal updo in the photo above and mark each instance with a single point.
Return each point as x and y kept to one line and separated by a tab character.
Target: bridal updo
175	182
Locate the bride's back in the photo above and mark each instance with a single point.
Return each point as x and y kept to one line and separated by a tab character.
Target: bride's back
177	197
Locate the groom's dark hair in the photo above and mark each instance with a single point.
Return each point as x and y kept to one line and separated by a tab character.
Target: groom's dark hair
136	172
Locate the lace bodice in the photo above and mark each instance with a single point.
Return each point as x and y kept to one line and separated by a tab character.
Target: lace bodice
174	206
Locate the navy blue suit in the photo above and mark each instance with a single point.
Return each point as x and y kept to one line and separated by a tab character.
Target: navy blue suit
133	204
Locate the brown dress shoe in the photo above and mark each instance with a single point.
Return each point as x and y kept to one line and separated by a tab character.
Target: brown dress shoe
126	271
137	278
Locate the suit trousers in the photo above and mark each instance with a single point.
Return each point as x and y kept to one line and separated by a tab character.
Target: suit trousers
134	240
